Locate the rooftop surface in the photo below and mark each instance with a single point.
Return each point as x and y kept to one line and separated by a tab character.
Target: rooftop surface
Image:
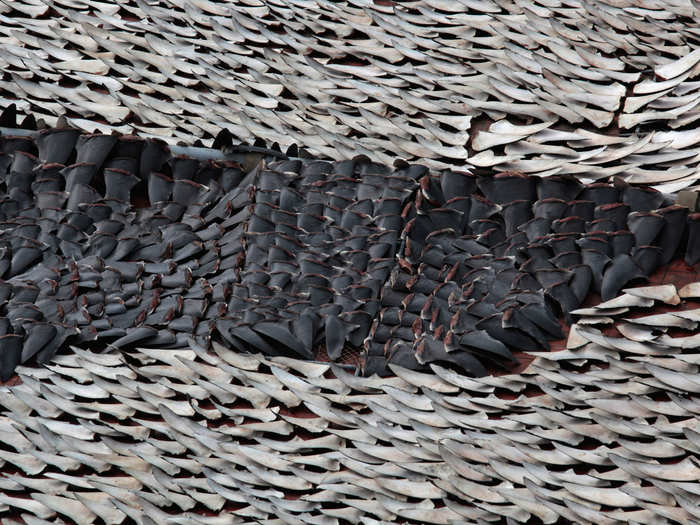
360	262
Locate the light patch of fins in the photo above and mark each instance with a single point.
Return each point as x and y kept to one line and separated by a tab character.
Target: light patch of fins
579	78
360	446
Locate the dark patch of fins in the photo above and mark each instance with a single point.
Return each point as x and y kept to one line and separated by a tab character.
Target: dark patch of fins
112	239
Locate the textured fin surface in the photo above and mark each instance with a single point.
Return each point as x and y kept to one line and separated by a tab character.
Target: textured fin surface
605	429
303	257
594	91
